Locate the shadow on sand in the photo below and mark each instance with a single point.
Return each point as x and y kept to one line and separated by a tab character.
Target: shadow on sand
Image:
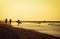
9	32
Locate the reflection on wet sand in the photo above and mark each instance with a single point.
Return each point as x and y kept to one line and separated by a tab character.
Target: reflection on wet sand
21	33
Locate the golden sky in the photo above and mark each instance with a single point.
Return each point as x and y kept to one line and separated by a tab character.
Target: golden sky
30	9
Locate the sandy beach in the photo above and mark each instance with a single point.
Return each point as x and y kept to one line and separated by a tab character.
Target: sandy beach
21	33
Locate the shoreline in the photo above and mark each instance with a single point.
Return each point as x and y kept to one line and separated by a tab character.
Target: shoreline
29	34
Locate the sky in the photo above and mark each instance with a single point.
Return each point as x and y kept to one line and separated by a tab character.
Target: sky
30	10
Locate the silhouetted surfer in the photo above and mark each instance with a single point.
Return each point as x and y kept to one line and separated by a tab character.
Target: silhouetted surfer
6	20
10	21
18	22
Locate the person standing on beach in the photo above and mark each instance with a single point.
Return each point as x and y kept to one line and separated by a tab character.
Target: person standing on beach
18	22
6	20
10	21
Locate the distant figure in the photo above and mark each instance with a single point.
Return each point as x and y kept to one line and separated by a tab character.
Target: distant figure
6	20
18	22
10	21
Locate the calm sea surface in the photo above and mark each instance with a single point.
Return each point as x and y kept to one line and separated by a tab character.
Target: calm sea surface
43	27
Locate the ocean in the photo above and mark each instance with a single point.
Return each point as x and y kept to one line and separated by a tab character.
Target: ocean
47	28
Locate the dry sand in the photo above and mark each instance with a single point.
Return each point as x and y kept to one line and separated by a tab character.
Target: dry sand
9	32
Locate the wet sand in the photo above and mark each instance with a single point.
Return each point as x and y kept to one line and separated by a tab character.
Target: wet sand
21	33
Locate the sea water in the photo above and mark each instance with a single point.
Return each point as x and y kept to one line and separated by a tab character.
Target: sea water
42	27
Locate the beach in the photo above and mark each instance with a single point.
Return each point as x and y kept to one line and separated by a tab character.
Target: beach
23	33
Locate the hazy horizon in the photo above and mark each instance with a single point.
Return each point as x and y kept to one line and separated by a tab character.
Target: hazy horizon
30	10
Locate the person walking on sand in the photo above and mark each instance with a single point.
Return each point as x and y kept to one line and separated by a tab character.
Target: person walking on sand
10	21
18	22
6	20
